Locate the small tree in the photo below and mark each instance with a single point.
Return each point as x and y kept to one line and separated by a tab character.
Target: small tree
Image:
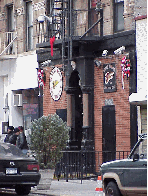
49	135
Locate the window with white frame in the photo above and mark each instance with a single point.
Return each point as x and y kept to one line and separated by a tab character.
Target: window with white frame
118	15
29	26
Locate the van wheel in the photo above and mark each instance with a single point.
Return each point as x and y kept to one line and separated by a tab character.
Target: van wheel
112	189
22	189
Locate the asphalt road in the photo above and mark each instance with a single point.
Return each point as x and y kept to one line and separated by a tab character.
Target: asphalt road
62	188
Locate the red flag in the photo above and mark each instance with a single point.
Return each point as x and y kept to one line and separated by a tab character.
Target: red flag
52	39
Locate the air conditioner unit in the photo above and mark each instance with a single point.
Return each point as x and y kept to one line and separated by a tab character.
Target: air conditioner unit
17	100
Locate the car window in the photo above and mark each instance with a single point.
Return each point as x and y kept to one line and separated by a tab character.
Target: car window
10	150
141	150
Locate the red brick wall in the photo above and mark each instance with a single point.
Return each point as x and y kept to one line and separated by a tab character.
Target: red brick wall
120	100
49	105
122	106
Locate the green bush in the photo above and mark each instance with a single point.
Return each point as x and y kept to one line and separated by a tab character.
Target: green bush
49	135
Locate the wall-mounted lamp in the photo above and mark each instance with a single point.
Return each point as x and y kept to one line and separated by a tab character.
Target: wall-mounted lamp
119	50
42	18
73	64
97	63
6	108
104	52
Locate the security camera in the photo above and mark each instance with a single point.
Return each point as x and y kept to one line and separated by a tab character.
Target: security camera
119	50
46	63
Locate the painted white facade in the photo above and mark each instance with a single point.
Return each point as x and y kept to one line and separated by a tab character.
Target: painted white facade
141	47
140	98
25	75
16	74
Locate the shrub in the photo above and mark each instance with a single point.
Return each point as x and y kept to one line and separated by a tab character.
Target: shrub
49	135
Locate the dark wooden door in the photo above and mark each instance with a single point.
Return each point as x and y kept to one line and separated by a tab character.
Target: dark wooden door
108	133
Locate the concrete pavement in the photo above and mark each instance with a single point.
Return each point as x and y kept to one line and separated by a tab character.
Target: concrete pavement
49	186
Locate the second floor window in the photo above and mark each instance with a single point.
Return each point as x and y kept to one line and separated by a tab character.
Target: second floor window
118	15
10	23
29	26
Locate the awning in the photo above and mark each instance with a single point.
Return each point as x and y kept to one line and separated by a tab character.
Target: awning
25	75
139	98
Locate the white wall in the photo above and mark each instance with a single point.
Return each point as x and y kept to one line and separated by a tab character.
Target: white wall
141	46
16	74
26	72
1	102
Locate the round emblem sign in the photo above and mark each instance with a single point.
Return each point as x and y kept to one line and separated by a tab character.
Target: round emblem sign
56	84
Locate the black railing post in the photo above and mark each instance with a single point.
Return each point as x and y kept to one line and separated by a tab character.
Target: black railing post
78	163
81	166
66	167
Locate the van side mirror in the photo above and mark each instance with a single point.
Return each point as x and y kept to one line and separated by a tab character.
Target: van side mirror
136	157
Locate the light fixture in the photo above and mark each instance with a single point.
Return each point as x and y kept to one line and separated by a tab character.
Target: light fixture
104	52
97	63
73	64
6	108
119	50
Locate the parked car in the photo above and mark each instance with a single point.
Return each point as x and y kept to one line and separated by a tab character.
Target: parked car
127	176
17	171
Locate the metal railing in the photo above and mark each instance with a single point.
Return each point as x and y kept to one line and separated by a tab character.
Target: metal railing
9	44
84	164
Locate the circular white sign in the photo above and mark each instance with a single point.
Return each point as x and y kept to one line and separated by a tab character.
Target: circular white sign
56	84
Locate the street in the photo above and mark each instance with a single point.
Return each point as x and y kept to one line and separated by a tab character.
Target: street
62	188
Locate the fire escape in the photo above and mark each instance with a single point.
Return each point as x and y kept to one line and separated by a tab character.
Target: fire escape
70	25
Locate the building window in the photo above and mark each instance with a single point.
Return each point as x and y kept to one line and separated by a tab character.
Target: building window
49	5
10	19
10	29
118	15
29	26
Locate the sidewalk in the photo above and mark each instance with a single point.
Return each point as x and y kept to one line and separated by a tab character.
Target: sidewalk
49	186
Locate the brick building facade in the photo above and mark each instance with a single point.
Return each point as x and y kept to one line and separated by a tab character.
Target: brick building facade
118	99
100	116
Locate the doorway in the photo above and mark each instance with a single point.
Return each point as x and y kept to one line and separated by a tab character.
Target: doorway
77	110
108	133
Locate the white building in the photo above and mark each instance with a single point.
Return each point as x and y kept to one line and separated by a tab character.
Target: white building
16	75
18	63
140	98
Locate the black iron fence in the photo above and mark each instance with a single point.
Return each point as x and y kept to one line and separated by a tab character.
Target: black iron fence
85	164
